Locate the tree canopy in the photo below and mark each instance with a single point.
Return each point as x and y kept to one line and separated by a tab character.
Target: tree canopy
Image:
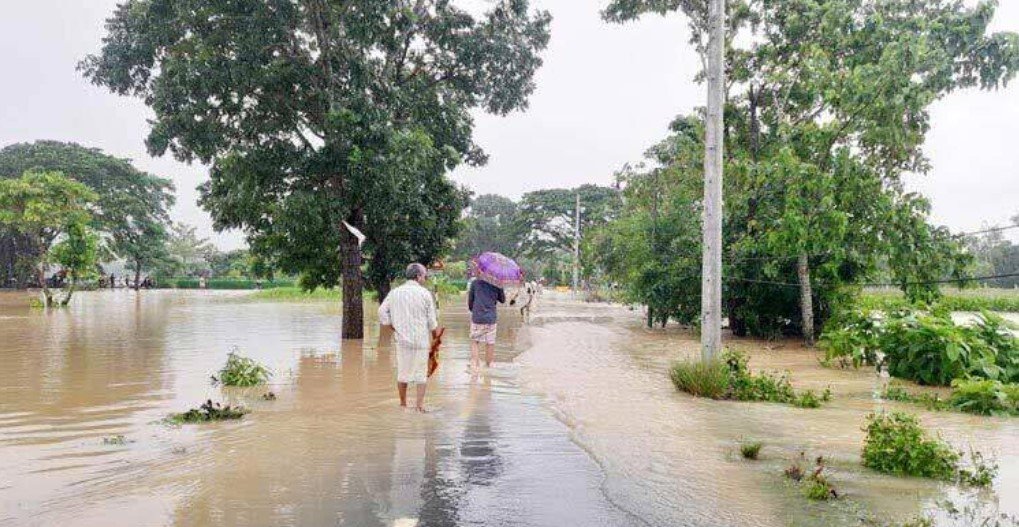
131	206
827	107
312	113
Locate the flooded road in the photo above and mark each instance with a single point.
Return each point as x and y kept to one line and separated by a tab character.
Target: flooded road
333	449
577	425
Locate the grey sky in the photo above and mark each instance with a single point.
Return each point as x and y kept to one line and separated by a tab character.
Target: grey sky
605	94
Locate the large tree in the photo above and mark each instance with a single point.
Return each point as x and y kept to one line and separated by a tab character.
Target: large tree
46	207
304	108
131	208
491	224
828	105
549	216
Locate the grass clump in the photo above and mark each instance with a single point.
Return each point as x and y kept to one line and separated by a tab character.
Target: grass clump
296	294
897	444
242	371
751	450
208	412
704	379
930	401
117	440
730	378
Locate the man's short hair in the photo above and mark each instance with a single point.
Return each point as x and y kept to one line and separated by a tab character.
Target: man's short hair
415	271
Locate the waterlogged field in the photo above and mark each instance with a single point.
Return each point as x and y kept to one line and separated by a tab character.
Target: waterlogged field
577	425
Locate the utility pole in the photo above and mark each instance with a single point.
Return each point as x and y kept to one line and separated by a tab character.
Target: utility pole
576	250
711	265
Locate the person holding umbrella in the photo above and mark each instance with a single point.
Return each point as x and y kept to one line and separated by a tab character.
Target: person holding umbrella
493	272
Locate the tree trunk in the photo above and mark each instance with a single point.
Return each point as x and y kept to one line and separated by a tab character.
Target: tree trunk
806	299
47	295
137	274
650	317
383	289
353	282
70	291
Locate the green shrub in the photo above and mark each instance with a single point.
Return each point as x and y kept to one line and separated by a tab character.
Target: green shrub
985	397
242	371
703	379
751	450
731	378
208	412
896	444
852	338
927	347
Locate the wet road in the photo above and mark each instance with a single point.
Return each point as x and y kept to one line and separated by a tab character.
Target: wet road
333	449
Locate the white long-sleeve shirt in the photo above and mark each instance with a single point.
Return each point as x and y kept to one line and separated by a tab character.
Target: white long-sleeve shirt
410	309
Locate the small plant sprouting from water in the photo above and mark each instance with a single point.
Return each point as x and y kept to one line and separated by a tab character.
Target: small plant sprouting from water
750	450
208	412
270	396
242	371
815	485
897	444
117	440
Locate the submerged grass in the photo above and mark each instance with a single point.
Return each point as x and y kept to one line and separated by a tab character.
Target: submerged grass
751	450
730	378
208	412
296	294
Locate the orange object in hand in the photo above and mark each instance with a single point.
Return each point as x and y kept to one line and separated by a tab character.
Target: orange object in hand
433	354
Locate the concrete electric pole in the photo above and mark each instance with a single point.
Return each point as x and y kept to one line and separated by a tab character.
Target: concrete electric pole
711	271
576	250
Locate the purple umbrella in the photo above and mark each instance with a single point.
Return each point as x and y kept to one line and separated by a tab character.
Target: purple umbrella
497	269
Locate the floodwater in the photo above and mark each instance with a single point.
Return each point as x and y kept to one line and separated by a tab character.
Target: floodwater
576	425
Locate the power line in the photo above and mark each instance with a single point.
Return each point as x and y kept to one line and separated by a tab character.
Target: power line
886	284
985	231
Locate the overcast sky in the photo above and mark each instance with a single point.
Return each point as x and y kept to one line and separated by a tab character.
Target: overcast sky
605	93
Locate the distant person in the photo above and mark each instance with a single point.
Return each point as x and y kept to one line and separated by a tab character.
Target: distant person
482	301
410	311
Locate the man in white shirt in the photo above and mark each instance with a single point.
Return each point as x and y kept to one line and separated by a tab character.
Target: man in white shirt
410	311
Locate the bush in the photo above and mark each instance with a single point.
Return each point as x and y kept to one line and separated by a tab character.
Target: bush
931	401
730	378
703	379
242	371
896	444
985	397
926	347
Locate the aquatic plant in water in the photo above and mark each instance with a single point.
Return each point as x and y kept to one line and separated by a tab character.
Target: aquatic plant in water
207	412
242	371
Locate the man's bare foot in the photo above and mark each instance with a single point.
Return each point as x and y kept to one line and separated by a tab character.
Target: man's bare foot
421	410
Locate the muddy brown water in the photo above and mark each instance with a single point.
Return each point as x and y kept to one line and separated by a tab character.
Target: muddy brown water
576	425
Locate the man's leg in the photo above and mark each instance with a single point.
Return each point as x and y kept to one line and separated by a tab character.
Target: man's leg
401	387
475	355
489	354
421	387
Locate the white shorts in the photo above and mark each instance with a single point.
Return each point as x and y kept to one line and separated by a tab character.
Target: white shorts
411	365
483	333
